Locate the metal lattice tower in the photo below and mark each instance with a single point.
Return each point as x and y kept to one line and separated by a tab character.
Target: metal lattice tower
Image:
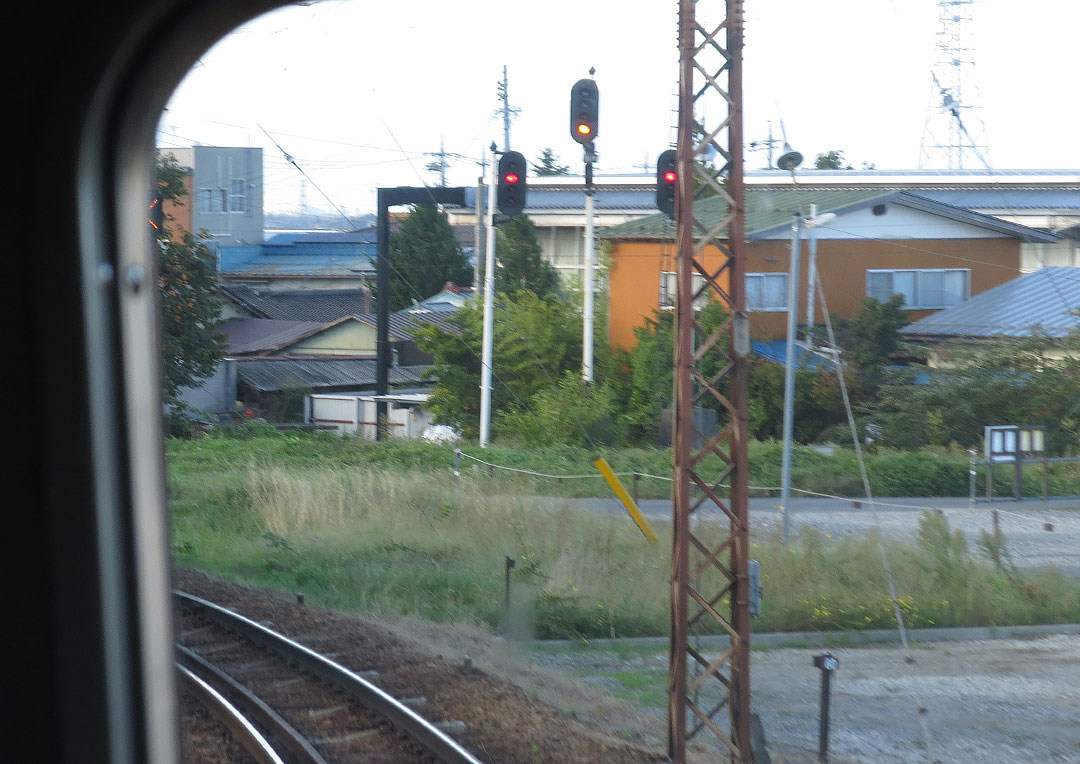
709	565
954	135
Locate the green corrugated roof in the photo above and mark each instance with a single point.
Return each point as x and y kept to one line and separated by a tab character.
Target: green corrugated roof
769	210
766	210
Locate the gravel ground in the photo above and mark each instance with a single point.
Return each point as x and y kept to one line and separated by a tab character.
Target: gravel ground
991	702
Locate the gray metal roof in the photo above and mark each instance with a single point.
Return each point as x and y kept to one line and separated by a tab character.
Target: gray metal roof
1046	298
274	374
259	335
638	199
300	304
1007	198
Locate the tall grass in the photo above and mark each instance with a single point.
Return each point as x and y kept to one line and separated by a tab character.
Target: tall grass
380	537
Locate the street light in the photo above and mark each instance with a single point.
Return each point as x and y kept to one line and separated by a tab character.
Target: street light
797	226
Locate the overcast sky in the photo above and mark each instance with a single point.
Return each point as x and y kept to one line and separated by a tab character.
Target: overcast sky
360	93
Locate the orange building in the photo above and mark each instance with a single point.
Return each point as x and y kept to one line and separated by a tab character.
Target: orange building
879	243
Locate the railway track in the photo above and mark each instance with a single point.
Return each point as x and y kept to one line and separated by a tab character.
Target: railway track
298	706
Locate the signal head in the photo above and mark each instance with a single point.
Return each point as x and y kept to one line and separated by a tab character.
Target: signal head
584	111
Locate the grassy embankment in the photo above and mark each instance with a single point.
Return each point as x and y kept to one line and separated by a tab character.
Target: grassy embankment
386	528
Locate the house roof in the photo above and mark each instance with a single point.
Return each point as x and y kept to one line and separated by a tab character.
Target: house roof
273	374
770	210
253	336
1046	298
300	304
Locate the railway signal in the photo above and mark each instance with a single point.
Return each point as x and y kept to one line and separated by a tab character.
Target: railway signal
666	175
584	111
512	187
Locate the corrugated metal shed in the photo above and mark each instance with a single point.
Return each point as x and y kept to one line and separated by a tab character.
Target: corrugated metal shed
276	374
769	210
1047	298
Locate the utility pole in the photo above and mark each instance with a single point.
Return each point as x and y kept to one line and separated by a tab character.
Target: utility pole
789	374
584	126
507	111
489	309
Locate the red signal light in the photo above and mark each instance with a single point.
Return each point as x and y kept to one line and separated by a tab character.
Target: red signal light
670	176
511	177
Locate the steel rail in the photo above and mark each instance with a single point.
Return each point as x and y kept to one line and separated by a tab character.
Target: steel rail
426	734
225	712
250	705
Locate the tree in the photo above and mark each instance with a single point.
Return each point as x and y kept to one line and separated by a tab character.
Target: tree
521	264
424	255
549	165
831	160
535	342
190	300
872	339
1007	380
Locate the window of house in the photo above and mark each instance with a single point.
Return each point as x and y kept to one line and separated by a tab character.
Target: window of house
238	195
922	288
212	200
766	291
669	286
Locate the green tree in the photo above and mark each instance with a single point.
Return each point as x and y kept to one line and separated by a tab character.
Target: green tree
1009	380
831	160
535	342
871	340
549	165
424	256
189	297
651	368
521	264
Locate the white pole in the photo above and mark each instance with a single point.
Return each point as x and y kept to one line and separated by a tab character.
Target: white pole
477	229
789	376
489	309
590	258
811	268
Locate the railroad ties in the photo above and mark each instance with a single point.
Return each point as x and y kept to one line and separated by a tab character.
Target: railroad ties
302	705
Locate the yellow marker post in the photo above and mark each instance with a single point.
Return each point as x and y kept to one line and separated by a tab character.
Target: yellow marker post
624	497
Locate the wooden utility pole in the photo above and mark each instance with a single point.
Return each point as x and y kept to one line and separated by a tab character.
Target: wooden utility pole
711	48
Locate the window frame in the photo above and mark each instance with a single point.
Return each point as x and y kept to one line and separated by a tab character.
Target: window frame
917	274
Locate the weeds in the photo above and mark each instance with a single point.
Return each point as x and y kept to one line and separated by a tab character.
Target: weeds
362	526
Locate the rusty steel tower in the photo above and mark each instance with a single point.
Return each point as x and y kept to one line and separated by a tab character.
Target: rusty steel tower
709	564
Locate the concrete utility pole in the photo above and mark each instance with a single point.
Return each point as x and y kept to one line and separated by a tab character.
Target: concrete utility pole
507	111
489	309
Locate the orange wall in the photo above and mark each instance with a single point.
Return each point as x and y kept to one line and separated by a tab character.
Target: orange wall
635	283
636	267
180	218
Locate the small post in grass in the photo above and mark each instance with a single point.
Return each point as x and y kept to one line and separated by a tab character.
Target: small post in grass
457	468
827	664
510	563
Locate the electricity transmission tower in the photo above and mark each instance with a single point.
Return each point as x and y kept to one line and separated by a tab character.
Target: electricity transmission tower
954	133
710	588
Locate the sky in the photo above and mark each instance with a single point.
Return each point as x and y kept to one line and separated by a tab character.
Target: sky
362	94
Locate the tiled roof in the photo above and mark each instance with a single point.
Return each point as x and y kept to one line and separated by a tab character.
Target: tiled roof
1047	298
273	374
300	304
260	335
769	210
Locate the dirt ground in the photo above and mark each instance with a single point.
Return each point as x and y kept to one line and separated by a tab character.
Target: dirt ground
990	702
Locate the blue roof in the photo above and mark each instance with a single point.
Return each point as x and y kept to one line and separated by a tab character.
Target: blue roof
1047	298
776	351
